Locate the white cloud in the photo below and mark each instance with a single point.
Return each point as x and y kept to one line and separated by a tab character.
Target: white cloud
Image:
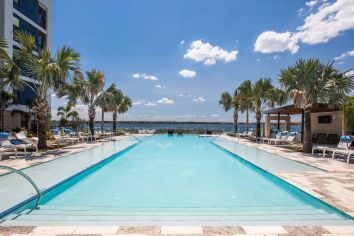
311	3
150	104
165	101
270	41
214	115
199	99
160	86
345	55
180	95
187	73
182	42
329	20
135	103
144	76
350	73
258	60
275	57
209	54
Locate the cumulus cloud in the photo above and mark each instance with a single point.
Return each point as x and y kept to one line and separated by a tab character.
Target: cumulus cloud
270	41
144	76
326	22
135	103
199	99
180	95
311	3
150	104
187	73
165	101
209	54
160	86
214	115
182	42
345	55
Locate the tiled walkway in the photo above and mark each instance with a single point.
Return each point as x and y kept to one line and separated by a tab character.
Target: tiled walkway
334	186
179	230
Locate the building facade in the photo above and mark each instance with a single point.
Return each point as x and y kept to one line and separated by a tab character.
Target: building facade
34	17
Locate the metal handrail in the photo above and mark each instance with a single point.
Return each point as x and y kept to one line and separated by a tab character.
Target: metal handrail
139	140
216	137
39	193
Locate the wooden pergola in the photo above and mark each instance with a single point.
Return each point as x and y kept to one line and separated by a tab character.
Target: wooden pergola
292	110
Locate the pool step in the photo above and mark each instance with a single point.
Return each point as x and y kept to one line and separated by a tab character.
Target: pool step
70	215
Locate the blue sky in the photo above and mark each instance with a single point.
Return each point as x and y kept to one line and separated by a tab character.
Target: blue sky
175	57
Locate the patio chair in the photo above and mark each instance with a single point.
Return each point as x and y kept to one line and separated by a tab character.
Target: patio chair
7	149
332	138
343	146
17	143
21	135
65	139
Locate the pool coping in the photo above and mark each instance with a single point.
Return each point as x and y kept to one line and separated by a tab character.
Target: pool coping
178	230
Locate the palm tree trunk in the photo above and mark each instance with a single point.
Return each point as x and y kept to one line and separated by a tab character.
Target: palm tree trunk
307	132
41	113
2	117
236	120
92	114
114	120
258	127
102	119
247	119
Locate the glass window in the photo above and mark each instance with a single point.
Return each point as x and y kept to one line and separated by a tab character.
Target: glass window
16	21
17	2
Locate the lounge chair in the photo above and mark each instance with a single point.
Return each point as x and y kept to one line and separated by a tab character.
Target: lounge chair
343	147
7	149
247	134
17	143
65	139
284	137
21	135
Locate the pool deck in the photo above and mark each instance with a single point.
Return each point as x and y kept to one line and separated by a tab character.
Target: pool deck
334	186
179	230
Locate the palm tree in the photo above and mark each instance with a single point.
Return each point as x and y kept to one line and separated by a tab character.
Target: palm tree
89	91
75	119
245	91
107	101
310	82
121	108
264	95
228	102
46	71
65	113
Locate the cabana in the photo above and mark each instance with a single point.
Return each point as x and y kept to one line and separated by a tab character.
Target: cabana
324	120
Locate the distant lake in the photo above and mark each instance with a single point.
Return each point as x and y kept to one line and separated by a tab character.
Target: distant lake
181	125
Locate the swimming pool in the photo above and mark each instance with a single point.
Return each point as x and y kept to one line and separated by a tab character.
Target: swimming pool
180	180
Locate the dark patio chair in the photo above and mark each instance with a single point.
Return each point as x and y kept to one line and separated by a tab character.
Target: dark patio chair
332	139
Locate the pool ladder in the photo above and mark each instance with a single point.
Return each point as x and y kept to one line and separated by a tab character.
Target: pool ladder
29	179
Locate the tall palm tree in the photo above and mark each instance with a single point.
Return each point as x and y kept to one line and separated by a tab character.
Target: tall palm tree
46	71
121	108
310	82
245	91
107	101
75	119
264	95
89	91
65	113
228	102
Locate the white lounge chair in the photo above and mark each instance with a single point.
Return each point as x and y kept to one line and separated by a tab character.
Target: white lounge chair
14	145
65	139
7	149
343	147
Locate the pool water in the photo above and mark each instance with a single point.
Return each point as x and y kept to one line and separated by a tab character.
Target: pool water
182	180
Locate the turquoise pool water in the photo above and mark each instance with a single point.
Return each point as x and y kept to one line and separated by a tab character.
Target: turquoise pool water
182	180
